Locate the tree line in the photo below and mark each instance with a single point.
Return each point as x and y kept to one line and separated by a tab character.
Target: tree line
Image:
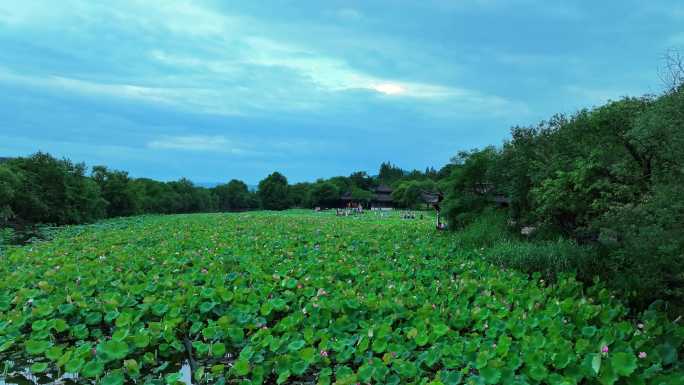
609	177
41	189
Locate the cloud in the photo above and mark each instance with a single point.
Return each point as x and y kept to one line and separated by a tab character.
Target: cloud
197	143
196	57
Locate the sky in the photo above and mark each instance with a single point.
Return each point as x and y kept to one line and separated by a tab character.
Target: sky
216	90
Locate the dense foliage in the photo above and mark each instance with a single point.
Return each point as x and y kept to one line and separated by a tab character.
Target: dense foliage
273	192
42	189
302	297
235	196
610	177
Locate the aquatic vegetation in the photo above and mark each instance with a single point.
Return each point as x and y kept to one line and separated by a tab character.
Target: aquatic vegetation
301	297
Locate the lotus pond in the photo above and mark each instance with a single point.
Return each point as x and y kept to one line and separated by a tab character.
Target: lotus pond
308	298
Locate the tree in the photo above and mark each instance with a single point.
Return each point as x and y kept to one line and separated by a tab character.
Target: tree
324	194
362	180
389	173
154	196
473	182
299	195
408	194
234	196
193	199
273	192
9	185
672	71
117	191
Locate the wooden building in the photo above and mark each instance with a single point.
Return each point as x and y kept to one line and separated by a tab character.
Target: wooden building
382	197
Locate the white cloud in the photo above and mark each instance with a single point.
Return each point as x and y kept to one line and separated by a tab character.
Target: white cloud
228	66
197	143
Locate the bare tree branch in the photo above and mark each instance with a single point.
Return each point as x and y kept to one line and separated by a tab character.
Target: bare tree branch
672	71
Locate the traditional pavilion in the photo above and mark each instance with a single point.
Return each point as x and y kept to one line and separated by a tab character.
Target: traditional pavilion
382	197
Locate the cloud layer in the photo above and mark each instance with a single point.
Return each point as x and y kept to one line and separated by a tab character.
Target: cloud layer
212	91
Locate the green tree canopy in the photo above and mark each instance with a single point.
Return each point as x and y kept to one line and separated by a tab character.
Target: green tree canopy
273	192
324	194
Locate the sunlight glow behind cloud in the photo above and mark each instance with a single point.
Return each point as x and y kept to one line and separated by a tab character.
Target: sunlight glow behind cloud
389	88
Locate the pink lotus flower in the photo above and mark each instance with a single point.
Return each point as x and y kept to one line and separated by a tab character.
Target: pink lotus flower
604	349
324	353
642	354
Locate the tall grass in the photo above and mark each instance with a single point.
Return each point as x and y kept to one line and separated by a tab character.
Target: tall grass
491	239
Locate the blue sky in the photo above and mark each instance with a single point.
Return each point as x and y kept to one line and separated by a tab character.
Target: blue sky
214	90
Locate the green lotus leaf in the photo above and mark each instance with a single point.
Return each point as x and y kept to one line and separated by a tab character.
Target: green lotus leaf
623	363
141	341
236	334
299	367
266	308
307	354
296	345
80	331
60	325
159	309
491	375
111	316
278	304
39	367
172	379
93	318
365	373
282	377
218	349
124	320
115	378
451	377
608	375
422	338
74	365
206	307
440	329
538	372
120	335
115	350
39	325
92	369
36	347
379	345
241	367
54	353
